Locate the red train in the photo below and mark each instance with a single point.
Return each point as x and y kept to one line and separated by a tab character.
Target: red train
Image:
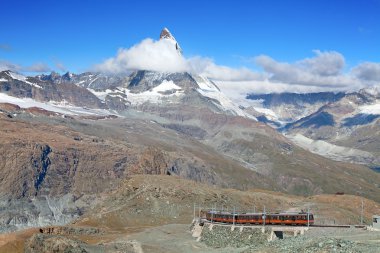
301	218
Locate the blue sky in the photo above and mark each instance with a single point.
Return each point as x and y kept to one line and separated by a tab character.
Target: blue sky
79	34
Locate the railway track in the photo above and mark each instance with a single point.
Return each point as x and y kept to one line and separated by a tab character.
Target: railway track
261	225
338	226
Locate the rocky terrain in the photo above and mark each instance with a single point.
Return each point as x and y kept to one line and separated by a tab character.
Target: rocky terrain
350	124
48	160
135	218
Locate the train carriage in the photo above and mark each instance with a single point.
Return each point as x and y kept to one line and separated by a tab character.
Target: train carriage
300	218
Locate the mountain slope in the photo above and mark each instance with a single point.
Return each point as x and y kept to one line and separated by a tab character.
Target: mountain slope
16	85
349	127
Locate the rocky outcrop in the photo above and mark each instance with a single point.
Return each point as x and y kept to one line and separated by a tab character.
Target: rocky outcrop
41	163
47	243
152	161
40	243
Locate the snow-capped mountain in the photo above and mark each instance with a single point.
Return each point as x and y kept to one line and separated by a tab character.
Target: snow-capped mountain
167	89
140	89
95	81
279	109
34	91
347	129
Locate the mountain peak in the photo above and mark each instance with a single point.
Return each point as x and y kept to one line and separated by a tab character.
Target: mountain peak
165	34
67	76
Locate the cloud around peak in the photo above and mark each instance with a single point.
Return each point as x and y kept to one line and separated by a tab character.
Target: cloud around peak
152	55
163	56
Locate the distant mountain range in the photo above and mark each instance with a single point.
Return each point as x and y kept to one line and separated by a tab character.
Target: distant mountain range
341	126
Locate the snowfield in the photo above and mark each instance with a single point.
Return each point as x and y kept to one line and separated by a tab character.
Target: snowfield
370	109
101	94
166	86
154	95
53	106
337	153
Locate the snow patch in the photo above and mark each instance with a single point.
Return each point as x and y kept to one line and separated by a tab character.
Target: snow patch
335	152
166	86
3	80
267	112
374	91
23	79
155	95
370	109
28	102
101	94
208	89
89	85
53	106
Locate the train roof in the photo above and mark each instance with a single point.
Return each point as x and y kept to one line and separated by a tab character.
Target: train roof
276	213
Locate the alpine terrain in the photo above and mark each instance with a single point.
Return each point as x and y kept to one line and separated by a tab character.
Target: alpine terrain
88	160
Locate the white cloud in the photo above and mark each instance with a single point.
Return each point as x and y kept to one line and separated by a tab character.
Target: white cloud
148	55
329	63
36	67
207	67
323	70
162	56
237	91
369	71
